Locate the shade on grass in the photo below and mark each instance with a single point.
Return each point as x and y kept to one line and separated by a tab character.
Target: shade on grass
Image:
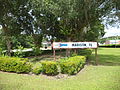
102	77
108	56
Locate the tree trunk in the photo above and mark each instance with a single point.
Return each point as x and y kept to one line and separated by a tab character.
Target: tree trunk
7	35
75	51
9	45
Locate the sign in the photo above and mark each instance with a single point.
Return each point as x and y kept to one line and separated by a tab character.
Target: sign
65	45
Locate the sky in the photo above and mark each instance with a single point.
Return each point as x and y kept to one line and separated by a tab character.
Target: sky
112	31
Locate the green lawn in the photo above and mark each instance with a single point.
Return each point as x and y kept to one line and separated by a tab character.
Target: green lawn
106	76
108	56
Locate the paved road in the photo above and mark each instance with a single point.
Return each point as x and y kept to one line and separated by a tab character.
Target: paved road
27	50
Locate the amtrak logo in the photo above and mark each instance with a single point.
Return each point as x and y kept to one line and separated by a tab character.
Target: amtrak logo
59	45
63	45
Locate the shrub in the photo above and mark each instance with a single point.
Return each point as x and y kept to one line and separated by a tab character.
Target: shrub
19	51
23	67
36	51
73	65
37	68
85	52
80	59
18	65
49	67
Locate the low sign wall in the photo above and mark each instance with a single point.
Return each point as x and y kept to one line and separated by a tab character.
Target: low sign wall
73	45
65	45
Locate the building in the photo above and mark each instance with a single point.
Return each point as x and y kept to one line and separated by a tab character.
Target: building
46	45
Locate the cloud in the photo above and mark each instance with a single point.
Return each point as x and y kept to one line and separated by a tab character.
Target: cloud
113	31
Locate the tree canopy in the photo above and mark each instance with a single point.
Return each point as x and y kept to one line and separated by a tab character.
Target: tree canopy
63	20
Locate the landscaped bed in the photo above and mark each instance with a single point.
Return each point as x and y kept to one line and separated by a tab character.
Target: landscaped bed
68	66
105	76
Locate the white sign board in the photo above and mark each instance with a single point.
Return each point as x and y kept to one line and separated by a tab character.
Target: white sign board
64	45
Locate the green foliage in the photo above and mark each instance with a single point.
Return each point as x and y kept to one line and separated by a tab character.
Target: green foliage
2	43
85	52
19	52
69	66
96	31
37	68
72	65
80	59
35	59
25	41
60	19
49	67
1	51
74	54
105	77
36	51
23	67
13	64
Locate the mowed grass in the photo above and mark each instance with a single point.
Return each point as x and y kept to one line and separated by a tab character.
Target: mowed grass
102	77
108	56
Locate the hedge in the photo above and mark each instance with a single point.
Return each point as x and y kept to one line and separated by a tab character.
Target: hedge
49	67
72	65
13	64
37	68
68	66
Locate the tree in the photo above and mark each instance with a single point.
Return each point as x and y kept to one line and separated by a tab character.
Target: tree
95	33
73	15
67	20
9	20
17	18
